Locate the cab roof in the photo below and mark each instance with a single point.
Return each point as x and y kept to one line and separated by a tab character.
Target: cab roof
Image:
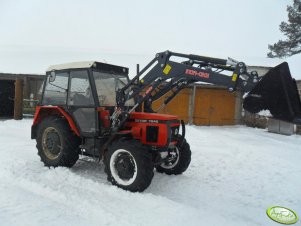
89	64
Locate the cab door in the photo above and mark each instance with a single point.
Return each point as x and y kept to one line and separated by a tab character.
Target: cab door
81	103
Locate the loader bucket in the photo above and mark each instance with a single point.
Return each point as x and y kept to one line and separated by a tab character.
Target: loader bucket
277	92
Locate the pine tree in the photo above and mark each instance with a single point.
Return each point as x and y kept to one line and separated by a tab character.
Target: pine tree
292	30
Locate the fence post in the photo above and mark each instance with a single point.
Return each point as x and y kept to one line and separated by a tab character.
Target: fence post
191	105
18	108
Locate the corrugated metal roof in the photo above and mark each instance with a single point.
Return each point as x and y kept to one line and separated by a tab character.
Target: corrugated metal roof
14	76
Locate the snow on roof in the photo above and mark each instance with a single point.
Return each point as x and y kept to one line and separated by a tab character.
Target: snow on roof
82	64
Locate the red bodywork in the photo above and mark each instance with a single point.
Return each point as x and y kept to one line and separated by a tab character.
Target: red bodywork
140	121
45	111
137	125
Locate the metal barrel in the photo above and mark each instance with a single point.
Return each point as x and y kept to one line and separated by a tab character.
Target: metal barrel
277	92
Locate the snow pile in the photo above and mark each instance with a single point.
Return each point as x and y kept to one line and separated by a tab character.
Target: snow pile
265	113
236	173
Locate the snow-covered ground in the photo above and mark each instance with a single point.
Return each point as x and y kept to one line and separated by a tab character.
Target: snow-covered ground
236	173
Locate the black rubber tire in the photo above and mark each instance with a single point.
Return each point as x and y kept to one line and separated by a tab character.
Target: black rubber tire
183	161
69	142
143	161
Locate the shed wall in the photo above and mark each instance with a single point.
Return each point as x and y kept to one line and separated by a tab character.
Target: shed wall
209	106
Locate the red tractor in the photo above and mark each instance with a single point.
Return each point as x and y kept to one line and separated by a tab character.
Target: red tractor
92	108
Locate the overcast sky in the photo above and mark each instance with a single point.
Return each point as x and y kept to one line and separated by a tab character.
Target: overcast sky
35	34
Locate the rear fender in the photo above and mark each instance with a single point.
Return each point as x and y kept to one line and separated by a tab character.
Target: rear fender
45	111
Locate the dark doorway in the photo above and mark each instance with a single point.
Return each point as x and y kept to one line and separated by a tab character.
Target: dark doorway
7	96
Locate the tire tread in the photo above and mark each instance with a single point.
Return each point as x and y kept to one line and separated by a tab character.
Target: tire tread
70	143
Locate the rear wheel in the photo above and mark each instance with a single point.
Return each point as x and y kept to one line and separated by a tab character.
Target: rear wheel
129	165
56	143
177	161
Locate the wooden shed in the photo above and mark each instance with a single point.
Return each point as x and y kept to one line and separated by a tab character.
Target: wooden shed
205	105
14	88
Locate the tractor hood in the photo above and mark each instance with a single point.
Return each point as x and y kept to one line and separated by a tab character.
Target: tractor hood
152	116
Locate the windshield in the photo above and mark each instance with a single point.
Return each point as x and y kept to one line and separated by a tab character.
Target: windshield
106	86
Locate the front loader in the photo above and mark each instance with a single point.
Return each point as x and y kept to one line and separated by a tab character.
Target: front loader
94	109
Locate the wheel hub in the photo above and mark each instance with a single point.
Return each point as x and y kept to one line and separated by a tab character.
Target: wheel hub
51	143
125	166
172	159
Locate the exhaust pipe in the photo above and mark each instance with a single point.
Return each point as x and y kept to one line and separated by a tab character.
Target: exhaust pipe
277	92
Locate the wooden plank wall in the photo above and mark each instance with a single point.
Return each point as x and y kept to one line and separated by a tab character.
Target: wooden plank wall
212	106
178	106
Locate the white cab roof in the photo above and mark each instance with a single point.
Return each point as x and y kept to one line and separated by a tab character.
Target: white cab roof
83	64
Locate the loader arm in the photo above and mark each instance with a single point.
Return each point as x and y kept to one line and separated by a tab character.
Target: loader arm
170	71
173	74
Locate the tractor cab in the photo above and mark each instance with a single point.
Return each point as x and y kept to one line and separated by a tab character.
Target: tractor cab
86	91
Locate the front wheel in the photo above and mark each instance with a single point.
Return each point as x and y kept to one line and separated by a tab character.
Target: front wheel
177	161
129	165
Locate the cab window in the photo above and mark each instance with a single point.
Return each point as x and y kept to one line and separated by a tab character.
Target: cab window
56	89
107	85
80	89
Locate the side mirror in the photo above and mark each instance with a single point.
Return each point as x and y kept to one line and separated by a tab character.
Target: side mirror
52	76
